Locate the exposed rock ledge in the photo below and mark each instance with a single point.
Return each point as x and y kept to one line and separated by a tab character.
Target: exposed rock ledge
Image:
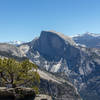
16	93
43	97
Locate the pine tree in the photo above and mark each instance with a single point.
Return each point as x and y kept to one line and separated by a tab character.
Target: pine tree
16	73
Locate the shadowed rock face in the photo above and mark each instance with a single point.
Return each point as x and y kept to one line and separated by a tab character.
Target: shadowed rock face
50	44
54	45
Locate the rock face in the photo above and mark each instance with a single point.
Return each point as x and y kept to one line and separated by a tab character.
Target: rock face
17	94
60	54
53	50
50	43
59	91
11	51
91	40
57	87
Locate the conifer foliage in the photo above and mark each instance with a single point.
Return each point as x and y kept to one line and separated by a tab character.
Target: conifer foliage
14	73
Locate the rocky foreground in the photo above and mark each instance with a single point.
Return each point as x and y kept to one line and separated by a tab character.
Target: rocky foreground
21	94
16	94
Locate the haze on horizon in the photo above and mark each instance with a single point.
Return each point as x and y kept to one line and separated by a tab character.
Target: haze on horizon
25	19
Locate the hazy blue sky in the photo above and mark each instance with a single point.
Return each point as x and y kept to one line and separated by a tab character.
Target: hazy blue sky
25	19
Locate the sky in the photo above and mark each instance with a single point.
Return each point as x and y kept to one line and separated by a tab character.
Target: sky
25	19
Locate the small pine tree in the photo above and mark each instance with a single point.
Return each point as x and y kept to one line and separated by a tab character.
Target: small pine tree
16	73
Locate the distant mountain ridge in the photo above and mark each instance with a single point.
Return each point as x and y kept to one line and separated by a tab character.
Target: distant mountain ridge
15	42
91	40
87	39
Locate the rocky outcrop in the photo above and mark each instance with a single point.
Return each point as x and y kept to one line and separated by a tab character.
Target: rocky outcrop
43	97
57	87
58	91
17	94
11	51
